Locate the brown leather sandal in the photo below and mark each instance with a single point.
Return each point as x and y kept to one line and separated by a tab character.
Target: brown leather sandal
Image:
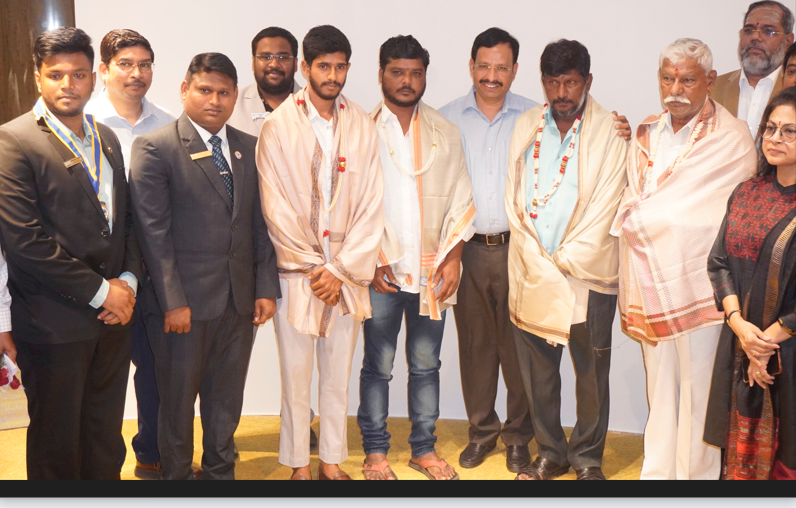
338	475
378	468
423	466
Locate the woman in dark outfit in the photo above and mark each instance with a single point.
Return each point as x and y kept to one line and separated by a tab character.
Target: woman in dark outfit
752	407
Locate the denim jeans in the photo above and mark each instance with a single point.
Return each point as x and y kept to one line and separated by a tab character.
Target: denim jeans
423	342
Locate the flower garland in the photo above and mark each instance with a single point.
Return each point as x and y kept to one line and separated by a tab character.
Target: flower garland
562	169
656	140
430	157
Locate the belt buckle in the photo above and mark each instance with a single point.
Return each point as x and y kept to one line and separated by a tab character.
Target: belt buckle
499	235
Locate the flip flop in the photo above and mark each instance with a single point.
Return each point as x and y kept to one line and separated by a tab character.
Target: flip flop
423	466
377	468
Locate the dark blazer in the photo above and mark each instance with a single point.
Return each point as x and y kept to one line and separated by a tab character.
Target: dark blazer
57	243
196	246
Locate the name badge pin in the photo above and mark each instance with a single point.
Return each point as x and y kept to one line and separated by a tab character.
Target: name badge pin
201	155
73	162
238	155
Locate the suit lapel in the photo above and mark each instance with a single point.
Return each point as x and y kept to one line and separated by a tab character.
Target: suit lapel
238	171
118	178
193	144
733	94
78	171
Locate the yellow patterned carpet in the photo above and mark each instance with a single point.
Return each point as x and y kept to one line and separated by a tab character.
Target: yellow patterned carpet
257	439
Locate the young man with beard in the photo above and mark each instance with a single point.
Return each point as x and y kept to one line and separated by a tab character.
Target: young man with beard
127	64
274	62
763	41
429	215
565	179
321	187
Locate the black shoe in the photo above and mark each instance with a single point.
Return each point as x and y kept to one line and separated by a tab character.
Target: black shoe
313	440
543	469
474	455
517	458
590	473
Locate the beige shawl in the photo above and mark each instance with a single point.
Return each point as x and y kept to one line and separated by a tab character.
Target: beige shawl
447	211
290	163
665	237
541	299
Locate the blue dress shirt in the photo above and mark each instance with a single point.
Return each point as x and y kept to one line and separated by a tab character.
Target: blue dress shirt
486	148
553	217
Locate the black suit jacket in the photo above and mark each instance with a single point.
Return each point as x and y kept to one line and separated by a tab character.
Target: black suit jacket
196	246
57	243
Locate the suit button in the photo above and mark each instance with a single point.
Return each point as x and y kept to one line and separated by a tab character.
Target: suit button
232	255
102	266
233	227
105	234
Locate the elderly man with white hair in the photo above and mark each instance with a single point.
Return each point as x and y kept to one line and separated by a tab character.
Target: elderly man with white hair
681	169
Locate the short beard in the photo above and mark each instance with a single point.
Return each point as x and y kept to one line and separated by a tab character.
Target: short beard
283	87
317	89
402	104
764	65
76	111
570	112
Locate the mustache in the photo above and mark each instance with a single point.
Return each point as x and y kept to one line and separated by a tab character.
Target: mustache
406	88
755	45
335	83
135	82
677	98
280	72
563	101
490	82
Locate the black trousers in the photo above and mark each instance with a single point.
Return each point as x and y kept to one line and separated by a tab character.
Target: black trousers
540	364
486	346
76	395
210	361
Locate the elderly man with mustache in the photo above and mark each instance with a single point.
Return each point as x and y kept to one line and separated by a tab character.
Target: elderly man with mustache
681	168
763	42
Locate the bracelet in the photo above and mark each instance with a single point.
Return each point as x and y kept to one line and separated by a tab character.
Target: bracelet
727	319
787	330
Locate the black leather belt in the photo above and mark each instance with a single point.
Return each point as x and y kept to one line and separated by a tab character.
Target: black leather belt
495	239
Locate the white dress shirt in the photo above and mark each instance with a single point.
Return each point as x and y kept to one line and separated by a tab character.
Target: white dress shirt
152	118
324	131
753	101
401	202
222	134
5	297
670	146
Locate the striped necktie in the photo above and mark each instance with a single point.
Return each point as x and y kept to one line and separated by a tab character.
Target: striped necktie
221	164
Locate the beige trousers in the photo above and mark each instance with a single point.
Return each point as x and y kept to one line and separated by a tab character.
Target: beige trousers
679	372
296	352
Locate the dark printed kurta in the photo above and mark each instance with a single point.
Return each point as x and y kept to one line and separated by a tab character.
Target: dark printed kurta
746	261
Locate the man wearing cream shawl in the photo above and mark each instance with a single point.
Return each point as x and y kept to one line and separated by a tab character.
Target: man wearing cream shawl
429	214
565	178
682	167
321	181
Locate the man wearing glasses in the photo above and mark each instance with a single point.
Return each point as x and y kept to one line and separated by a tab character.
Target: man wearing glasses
274	63
763	41
127	67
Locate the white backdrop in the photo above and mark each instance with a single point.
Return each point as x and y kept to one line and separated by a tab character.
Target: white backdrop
624	38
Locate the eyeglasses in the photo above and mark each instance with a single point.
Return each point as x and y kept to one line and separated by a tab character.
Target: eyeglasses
500	69
748	31
787	132
278	58
127	67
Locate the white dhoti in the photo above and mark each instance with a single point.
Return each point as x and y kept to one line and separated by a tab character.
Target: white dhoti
679	373
296	362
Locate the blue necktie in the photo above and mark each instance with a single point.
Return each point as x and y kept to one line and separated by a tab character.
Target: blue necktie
221	164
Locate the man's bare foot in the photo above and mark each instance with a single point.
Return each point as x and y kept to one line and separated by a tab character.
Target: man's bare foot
449	472
301	473
377	473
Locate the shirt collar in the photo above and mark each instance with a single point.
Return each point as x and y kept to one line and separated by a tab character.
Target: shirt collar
314	116
389	116
771	77
686	128
222	133
509	103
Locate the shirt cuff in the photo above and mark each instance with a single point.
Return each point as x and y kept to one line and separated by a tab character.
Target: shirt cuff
131	281
101	295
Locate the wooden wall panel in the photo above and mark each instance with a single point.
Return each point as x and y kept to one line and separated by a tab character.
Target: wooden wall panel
21	21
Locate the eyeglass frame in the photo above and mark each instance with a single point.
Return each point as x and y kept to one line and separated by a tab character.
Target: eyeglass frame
134	65
768	32
268	57
764	128
486	68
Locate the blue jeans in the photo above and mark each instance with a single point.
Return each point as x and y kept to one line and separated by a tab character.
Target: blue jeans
423	343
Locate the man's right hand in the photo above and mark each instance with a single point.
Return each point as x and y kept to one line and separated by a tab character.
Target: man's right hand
379	284
177	320
120	301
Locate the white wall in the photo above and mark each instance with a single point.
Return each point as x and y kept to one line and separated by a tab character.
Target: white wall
624	38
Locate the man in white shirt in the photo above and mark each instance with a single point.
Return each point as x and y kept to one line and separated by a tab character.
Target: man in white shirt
126	67
429	214
6	342
763	41
274	63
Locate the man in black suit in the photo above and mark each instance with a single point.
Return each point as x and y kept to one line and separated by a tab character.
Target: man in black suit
73	265
211	266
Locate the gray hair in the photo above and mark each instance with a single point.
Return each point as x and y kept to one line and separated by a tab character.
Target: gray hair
787	15
688	49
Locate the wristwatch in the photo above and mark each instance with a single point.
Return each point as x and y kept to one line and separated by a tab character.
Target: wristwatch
787	330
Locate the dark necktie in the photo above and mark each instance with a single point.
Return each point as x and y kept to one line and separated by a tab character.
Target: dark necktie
221	164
